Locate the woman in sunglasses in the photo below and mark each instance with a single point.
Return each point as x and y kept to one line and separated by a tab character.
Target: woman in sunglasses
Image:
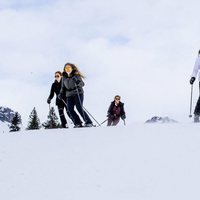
72	90
55	89
115	111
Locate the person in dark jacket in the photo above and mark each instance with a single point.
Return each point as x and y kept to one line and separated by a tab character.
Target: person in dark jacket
115	111
195	72
55	89
72	90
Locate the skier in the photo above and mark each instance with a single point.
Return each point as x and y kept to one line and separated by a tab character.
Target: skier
115	111
192	79
55	88
72	90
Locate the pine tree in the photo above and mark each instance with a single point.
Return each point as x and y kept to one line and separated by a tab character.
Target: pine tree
52	120
16	121
34	122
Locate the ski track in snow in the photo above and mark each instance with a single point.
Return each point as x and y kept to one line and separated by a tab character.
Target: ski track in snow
139	161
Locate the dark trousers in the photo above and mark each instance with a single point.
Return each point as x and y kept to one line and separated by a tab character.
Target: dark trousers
113	121
75	101
197	107
62	116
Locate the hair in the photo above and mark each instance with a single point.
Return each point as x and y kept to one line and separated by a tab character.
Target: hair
117	96
58	72
199	52
75	70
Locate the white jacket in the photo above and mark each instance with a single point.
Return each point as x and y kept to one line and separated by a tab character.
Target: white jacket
196	68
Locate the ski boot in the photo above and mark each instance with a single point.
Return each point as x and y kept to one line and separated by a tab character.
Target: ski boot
78	126
89	125
65	126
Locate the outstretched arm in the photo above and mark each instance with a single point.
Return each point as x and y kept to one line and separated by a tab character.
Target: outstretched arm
196	67
51	94
123	114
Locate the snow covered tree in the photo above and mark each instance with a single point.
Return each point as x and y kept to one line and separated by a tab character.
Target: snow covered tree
34	122
52	120
16	121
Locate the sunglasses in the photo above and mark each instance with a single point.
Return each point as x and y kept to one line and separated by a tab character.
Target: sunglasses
56	76
117	99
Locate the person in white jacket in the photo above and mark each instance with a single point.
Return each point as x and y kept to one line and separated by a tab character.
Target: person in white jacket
192	80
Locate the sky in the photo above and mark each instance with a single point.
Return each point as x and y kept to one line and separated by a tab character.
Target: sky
142	50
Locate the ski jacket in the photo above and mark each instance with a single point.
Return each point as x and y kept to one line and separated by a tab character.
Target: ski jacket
70	85
116	111
55	89
196	68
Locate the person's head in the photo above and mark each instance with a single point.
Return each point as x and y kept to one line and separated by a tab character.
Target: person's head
58	76
199	52
117	99
71	68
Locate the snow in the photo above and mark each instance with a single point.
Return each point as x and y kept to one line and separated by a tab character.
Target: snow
138	161
4	127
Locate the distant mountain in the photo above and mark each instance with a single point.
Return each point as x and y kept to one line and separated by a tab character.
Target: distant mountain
6	114
157	119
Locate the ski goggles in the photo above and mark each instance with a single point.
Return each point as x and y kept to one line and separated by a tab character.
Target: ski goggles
68	67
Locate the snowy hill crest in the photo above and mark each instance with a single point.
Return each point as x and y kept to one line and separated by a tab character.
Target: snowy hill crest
157	119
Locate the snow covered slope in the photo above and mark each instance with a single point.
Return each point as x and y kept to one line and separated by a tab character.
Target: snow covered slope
4	127
137	162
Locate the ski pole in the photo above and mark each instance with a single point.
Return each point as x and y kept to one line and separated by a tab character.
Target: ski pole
124	122
64	102
84	107
80	102
91	116
104	121
68	110
191	101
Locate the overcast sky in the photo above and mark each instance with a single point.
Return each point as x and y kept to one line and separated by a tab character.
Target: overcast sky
143	50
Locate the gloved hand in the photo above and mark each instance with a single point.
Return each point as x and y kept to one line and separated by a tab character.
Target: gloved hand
75	79
110	116
192	80
123	117
48	100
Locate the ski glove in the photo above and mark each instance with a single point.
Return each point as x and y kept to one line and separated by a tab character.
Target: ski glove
109	116
76	80
123	117
48	100
192	80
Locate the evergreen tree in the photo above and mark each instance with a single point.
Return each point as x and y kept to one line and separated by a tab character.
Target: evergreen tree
34	122
16	121
52	120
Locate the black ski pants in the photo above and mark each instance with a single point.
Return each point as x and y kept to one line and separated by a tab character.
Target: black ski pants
73	101
62	116
197	107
